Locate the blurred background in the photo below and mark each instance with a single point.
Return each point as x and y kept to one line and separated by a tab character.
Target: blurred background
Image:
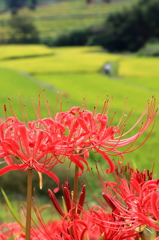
75	50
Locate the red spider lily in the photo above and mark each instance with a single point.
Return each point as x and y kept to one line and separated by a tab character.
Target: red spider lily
10	230
95	224
26	145
46	142
59	230
81	224
135	200
83	227
77	227
87	131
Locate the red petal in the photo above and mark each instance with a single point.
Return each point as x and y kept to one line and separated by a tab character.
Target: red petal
8	169
110	162
24	138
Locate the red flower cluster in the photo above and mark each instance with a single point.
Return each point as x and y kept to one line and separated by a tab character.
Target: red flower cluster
43	143
10	230
135	199
79	224
129	207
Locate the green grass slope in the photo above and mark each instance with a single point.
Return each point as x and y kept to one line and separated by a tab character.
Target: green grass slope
13	84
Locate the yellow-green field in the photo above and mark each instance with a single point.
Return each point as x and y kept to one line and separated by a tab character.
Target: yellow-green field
77	73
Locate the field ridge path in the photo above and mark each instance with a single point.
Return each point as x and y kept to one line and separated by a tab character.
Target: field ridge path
42	84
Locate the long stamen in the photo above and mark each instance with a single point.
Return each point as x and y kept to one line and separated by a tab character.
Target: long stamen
104	107
123	112
39	107
11	108
111	121
33	105
56	104
5	111
84	103
94	111
108	108
61	105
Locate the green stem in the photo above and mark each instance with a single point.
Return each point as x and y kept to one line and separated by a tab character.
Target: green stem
142	236
29	201
157	233
75	188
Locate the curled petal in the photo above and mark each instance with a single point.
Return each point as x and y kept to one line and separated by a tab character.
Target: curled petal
110	162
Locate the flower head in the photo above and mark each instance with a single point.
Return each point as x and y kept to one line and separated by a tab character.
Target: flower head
23	147
89	131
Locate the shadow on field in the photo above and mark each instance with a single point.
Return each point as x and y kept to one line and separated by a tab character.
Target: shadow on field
97	51
28	56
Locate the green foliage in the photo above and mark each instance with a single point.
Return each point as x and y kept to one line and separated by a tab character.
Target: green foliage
130	29
73	38
32	4
149	50
3	6
22	30
14	5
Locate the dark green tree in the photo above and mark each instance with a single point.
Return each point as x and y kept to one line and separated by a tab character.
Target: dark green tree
107	1
130	29
88	1
23	30
14	5
32	4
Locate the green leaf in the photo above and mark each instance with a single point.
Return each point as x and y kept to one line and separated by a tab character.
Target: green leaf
15	215
13	237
